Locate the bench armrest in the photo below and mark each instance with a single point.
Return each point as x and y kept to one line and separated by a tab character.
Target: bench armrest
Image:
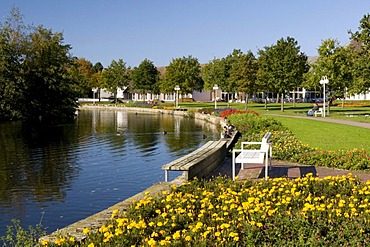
249	143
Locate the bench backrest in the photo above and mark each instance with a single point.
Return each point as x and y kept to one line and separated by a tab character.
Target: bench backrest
266	138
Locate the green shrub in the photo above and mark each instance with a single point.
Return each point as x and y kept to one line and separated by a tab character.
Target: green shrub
16	236
249	124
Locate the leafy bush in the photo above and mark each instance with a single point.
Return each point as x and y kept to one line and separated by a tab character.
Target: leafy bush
251	124
16	236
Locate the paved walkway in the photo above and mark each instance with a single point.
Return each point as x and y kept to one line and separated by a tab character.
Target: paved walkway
289	170
283	169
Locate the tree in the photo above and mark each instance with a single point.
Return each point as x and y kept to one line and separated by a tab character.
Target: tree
12	36
116	76
98	67
51	92
184	72
145	77
215	72
281	67
362	56
335	62
244	73
83	72
34	79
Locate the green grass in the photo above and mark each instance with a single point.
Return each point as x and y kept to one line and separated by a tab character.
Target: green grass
329	136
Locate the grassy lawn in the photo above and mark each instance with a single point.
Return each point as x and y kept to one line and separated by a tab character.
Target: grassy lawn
328	136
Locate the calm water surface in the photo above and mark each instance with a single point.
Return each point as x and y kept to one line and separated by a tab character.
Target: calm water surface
64	173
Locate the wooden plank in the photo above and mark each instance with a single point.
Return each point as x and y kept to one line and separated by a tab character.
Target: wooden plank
184	163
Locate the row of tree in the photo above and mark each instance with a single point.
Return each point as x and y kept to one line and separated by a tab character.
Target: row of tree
40	79
280	68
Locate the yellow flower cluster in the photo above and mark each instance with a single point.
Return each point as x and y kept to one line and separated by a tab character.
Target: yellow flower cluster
223	212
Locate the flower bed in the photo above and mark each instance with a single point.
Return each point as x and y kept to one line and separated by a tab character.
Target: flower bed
279	212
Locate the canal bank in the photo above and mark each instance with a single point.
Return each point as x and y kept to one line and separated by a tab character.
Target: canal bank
95	221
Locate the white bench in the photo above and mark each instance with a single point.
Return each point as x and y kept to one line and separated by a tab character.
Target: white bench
253	156
318	112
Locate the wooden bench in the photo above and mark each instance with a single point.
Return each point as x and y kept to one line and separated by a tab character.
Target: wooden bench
318	112
200	162
263	155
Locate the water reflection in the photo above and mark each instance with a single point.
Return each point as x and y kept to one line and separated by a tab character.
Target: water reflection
69	172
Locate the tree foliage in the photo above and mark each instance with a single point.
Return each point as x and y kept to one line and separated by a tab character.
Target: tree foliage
244	73
83	72
145	77
34	78
335	62
186	73
281	67
116	76
215	72
361	72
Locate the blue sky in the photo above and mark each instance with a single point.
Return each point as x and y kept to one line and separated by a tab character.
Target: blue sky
102	31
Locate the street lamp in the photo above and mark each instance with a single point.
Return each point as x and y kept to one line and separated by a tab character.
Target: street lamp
177	88
215	87
324	80
95	89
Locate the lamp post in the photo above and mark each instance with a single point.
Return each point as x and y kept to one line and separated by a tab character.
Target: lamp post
177	88
95	89
324	80
215	87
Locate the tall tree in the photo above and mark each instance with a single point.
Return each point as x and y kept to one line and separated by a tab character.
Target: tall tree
116	76
215	72
362	58
244	73
51	92
282	66
184	72
83	72
145	77
34	80
12	36
335	62
98	67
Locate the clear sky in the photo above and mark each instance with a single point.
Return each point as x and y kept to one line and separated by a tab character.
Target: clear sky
106	30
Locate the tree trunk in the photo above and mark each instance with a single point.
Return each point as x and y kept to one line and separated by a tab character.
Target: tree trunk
293	97
246	96
277	98
282	102
228	100
265	102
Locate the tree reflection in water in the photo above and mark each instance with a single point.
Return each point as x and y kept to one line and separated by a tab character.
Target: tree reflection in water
71	171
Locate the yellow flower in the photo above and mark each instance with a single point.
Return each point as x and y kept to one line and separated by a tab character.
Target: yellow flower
91	245
152	242
176	235
86	231
188	238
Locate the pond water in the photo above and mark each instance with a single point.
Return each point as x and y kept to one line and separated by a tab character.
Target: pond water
61	174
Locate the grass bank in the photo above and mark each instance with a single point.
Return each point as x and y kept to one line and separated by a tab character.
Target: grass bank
328	136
